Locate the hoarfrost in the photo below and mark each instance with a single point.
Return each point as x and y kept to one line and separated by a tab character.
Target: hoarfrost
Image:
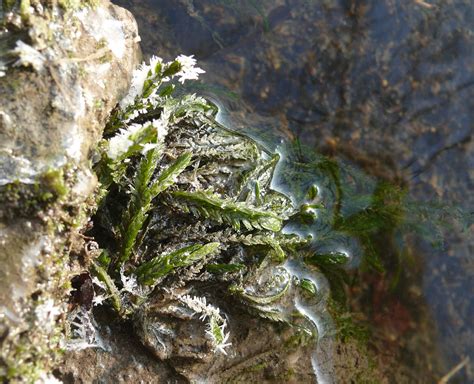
100	25
28	56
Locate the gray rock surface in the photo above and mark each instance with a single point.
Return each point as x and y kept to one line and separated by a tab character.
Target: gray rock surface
63	70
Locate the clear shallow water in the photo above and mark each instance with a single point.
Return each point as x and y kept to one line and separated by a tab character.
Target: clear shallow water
385	85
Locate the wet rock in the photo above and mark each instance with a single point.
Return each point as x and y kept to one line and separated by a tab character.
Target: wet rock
63	70
169	330
123	358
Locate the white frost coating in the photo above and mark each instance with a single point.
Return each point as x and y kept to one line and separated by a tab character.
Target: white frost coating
101	71
46	378
21	168
86	182
99	283
138	79
208	311
5	119
73	138
101	25
148	147
28	56
119	144
161	126
84	333
130	284
30	255
46	314
16	168
99	300
73	142
3	68
188	71
6	313
200	306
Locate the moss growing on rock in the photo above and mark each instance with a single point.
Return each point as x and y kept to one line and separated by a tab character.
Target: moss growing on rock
27	200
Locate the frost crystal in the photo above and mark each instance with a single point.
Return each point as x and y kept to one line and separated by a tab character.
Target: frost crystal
148	147
120	144
220	342
102	26
155	71
130	283
216	324
28	56
188	71
99	283
140	75
154	61
84	332
161	126
199	305
136	88
46	314
99	300
45	378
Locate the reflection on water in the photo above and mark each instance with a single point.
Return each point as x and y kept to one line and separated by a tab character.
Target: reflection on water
315	310
385	86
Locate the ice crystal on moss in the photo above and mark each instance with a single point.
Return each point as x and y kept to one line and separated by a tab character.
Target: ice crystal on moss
216	323
188	71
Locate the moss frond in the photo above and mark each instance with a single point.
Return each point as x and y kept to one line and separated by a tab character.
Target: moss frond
149	272
104	277
143	192
208	205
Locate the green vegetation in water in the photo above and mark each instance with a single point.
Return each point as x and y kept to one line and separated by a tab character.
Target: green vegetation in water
358	219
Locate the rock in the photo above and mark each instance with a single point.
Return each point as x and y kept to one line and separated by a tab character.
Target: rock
63	71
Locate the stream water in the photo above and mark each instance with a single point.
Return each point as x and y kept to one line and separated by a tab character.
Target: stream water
386	90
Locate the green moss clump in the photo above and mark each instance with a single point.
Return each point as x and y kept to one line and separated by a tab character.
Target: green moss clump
23	7
76	4
26	200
